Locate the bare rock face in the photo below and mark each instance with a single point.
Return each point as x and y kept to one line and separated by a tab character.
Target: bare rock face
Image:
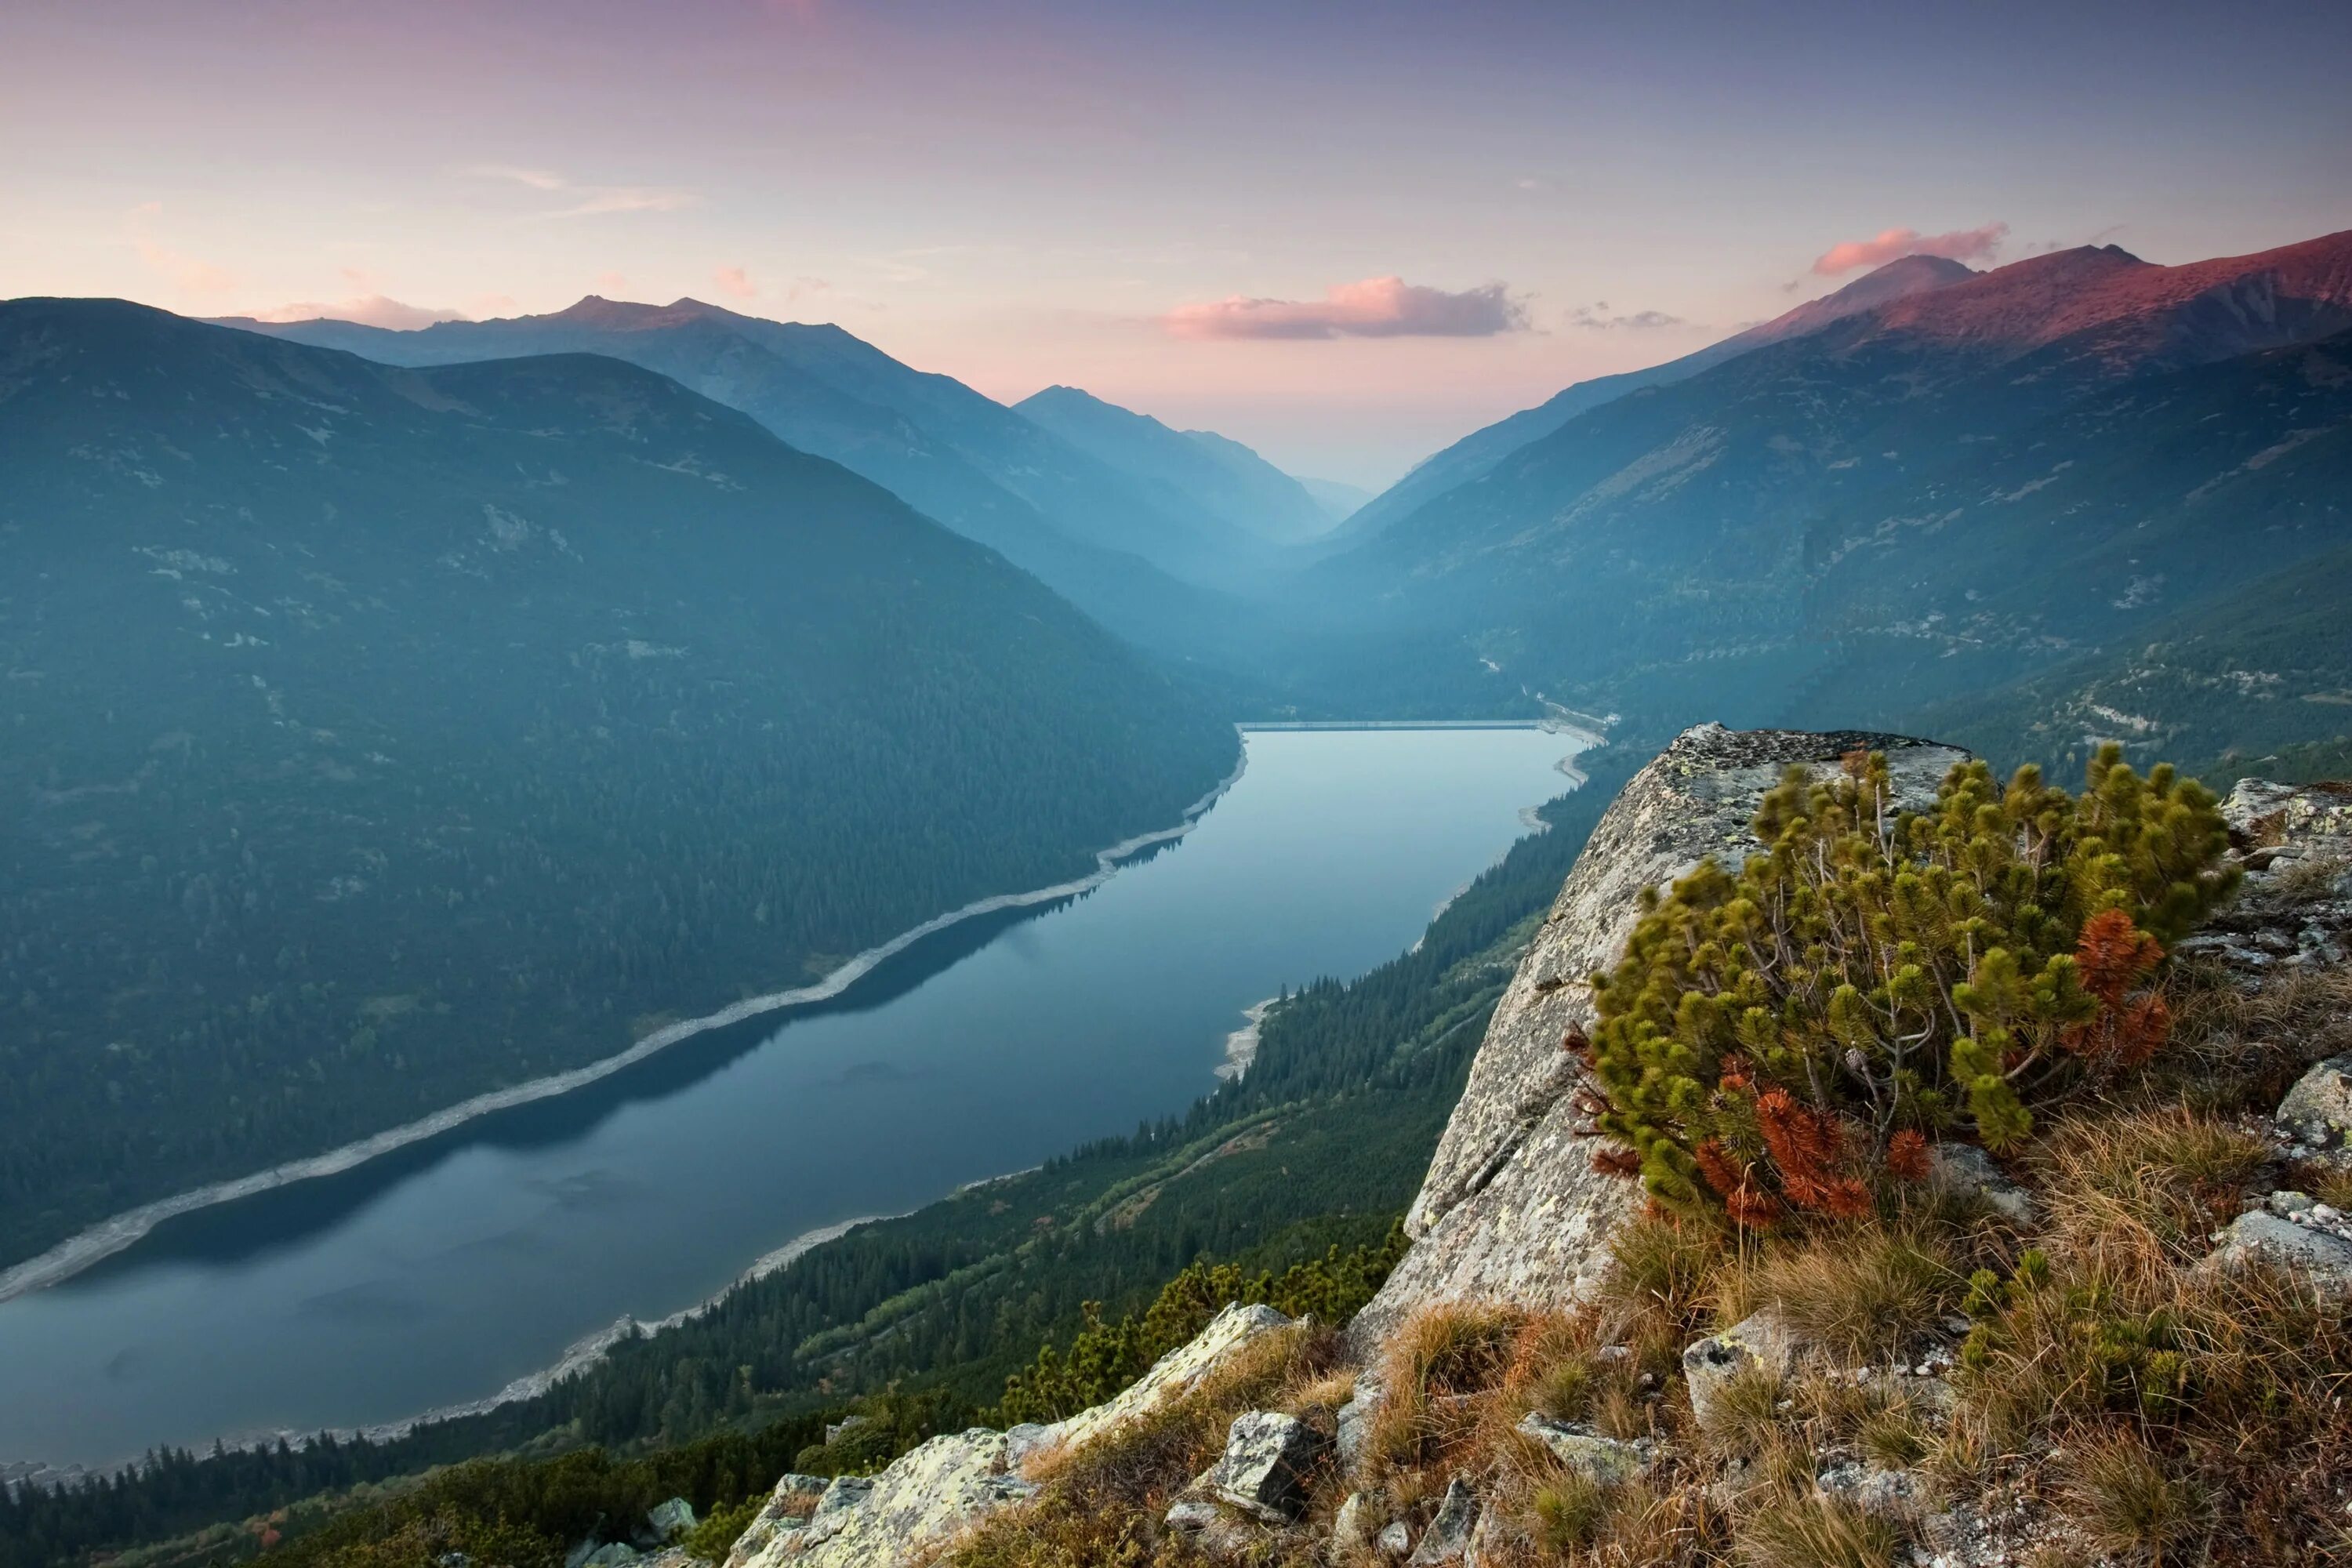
2295	905
951	1483
1511	1209
1448	1539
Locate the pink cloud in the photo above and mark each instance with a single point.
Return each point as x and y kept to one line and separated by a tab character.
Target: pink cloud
736	282
1961	245
371	311
191	273
1374	307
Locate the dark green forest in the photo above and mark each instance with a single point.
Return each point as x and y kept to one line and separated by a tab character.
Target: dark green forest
384	737
1320	1145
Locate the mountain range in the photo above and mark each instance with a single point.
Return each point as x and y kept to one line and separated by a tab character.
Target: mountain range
1142	553
1957	486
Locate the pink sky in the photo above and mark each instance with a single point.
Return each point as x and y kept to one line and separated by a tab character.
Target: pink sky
1346	236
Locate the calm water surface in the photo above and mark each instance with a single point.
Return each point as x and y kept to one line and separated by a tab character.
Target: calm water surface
438	1274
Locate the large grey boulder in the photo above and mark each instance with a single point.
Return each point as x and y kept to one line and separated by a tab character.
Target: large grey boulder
1512	1210
2313	1250
1264	1470
671	1520
1448	1539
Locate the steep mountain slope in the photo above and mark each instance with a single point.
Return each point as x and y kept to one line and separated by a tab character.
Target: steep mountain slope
382	736
1477	453
1755	514
1098	536
2237	684
1195	470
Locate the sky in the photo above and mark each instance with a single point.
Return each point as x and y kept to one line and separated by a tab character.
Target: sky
1345	234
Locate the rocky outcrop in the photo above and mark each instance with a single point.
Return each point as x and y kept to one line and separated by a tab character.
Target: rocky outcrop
1511	1209
924	1498
1264	1470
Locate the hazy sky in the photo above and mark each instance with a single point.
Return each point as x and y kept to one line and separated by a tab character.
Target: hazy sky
1345	234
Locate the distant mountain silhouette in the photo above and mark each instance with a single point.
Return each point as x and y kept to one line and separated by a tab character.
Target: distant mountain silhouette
1120	547
1477	452
1198	471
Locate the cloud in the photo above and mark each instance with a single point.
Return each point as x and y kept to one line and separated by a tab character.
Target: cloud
1375	308
586	200
370	310
736	282
191	273
1961	245
1596	318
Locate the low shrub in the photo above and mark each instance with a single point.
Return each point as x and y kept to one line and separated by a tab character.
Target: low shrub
1783	1039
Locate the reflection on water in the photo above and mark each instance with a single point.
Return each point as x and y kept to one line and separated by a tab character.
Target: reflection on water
440	1272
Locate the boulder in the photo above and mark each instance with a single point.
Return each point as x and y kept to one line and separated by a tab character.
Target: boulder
1512	1210
1967	1171
2314	1251
920	1499
2318	1110
1173	1375
1896	1495
1448	1539
616	1555
1211	1530
671	1520
1606	1460
1355	1421
1760	1341
1263	1471
1394	1540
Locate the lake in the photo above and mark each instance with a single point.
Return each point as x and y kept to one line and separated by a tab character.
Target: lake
435	1274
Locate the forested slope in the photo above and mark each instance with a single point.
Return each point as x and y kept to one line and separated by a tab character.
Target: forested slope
378	737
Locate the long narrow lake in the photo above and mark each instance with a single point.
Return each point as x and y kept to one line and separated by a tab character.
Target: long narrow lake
439	1274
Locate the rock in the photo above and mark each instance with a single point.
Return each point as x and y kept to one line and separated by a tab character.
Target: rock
671	1520
2318	1254
1393	1540
1448	1539
1263	1471
920	1499
953	1481
1966	1170
2318	1108
1175	1374
1351	1527
2287	1205
1355	1421
1605	1460
1026	1441
1897	1495
1708	1365
1211	1530
613	1556
1512	1211
790	1503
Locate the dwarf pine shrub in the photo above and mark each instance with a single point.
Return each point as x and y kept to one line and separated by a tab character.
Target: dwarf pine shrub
1873	981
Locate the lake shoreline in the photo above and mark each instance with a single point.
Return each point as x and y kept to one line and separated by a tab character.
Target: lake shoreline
109	1236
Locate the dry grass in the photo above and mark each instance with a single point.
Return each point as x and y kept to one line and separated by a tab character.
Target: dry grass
2235	1048
2125	1501
2139	1192
1443	1369
1862	1294
1813	1533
